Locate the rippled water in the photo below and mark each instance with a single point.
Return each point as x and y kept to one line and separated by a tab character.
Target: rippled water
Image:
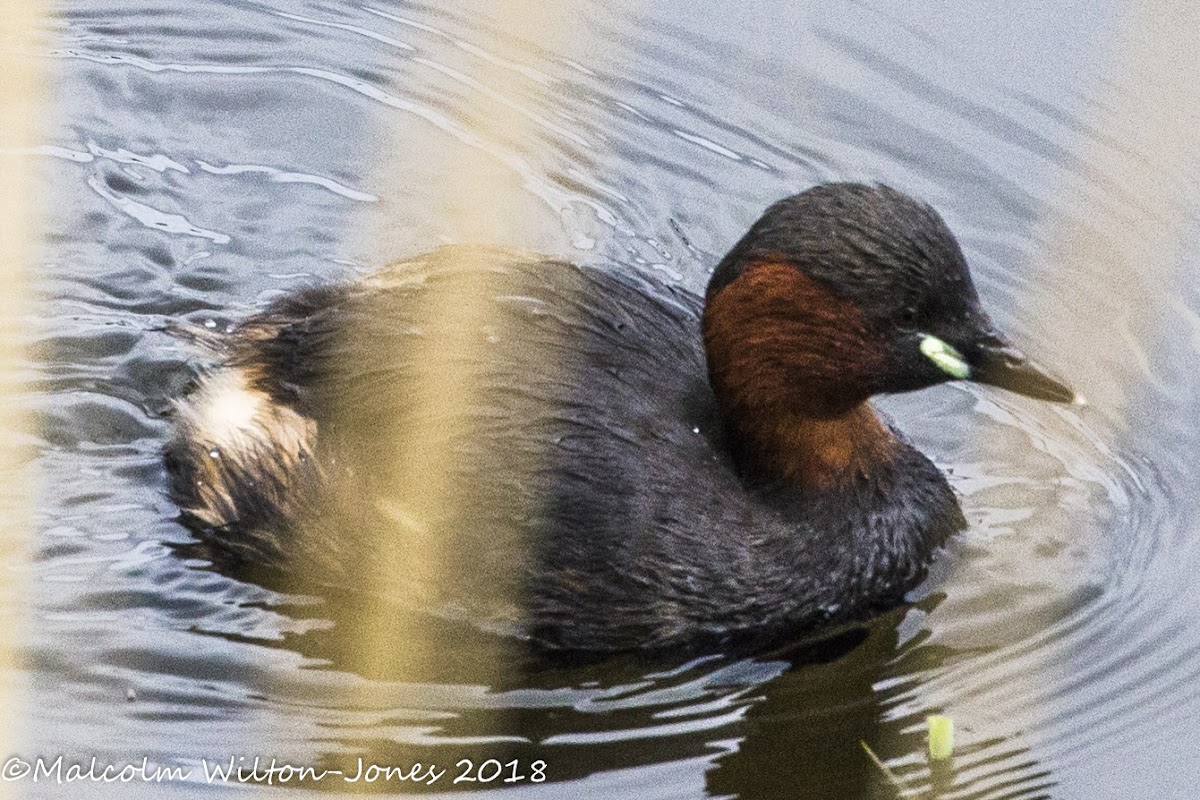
202	158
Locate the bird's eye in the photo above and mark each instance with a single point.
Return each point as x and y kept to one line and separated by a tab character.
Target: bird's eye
908	318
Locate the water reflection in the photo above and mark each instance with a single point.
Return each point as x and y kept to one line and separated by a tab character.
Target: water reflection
792	720
735	719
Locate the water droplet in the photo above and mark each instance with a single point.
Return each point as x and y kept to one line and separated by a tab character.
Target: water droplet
695	430
214	453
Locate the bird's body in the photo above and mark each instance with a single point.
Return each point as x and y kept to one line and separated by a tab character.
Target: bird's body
553	459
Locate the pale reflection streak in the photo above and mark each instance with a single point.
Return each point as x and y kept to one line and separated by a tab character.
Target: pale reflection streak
21	86
1141	179
422	484
1136	184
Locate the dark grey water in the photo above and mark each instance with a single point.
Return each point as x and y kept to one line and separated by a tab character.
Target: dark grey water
202	158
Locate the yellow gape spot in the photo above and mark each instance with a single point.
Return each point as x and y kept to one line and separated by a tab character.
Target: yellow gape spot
948	360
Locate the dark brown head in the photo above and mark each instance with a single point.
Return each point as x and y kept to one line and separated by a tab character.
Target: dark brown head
842	292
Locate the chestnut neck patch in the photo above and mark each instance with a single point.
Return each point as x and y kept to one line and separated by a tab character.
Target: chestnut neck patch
792	365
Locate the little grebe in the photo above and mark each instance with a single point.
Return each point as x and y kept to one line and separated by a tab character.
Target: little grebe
619	485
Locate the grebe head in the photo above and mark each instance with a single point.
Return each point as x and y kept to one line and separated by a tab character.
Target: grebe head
842	292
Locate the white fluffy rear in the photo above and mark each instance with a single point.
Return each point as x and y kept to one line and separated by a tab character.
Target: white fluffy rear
237	448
